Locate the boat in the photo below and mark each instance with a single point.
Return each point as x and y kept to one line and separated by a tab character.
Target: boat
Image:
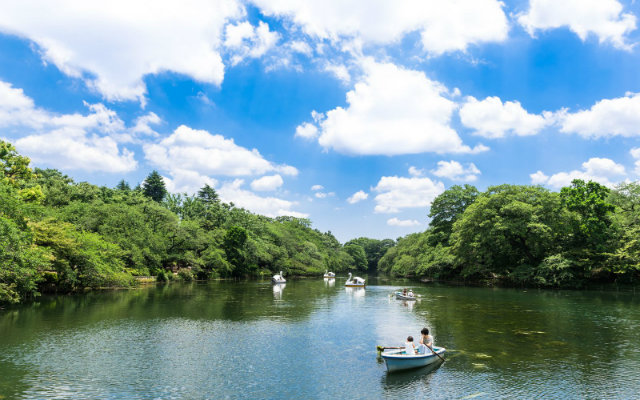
278	278
397	360
329	275
355	282
408	296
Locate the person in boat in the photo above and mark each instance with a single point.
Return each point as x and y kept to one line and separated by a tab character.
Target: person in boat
410	293
409	346
426	341
404	291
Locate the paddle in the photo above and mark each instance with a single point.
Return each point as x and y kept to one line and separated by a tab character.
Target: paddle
434	352
383	348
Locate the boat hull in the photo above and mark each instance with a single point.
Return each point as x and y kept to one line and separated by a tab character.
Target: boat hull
398	361
353	285
329	277
400	296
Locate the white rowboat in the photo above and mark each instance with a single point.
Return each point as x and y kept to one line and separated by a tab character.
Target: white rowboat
397	360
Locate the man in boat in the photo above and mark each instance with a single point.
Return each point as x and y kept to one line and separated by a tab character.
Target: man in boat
426	341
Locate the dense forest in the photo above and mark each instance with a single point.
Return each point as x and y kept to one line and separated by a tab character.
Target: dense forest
60	235
526	235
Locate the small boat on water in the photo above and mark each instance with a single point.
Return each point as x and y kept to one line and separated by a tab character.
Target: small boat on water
397	360
329	275
355	282
278	278
406	296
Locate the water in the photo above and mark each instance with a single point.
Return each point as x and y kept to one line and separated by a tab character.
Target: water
313	339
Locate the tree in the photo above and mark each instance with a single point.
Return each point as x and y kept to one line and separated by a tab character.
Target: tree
154	187
507	232
234	247
123	186
208	195
359	256
589	203
448	207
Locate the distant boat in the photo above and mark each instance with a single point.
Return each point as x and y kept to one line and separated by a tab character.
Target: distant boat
397	360
408	296
329	275
278	278
355	282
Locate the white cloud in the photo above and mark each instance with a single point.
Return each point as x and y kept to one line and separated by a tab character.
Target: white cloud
606	118
322	195
402	222
307	131
246	41
339	71
357	197
456	172
268	206
635	153
267	183
66	141
398	192
185	181
392	111
199	150
602	18
413	171
492	119
601	170
317	187
113	44
142	124
301	47
443	26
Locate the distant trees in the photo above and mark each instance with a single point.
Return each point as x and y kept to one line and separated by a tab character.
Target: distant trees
153	187
526	235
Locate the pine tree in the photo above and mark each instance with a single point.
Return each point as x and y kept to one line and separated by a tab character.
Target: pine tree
153	187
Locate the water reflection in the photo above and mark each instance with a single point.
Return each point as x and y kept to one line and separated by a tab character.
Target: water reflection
277	290
408	378
329	282
409	304
356	292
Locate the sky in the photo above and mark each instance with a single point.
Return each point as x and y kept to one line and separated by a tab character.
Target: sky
355	114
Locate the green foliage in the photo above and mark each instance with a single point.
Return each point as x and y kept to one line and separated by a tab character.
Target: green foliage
185	275
153	187
373	248
447	208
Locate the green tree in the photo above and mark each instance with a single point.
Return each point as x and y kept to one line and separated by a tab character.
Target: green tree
447	208
358	255
154	187
234	247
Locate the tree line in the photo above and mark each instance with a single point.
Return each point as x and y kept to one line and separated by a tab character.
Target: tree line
60	235
526	235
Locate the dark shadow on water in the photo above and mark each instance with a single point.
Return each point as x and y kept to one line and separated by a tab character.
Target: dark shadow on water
403	379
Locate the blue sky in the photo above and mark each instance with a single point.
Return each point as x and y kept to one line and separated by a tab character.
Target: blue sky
355	114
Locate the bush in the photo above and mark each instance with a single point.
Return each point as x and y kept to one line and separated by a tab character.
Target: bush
162	276
185	275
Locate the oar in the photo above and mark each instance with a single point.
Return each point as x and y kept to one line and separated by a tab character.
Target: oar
434	352
383	348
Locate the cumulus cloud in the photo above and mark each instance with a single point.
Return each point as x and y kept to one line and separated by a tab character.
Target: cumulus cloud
208	154
635	153
113	44
456	172
413	171
606	118
491	118
602	18
322	195
88	142
268	206
601	170
392	111
357	197
402	222
244	40
307	131
443	26
267	183
317	187
186	181
396	193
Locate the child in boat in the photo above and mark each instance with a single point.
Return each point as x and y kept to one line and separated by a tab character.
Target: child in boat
425	340
409	347
410	293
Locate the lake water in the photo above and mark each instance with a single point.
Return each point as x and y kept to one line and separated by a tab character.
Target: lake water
314	339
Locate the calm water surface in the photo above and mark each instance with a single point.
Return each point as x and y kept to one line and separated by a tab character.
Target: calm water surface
315	339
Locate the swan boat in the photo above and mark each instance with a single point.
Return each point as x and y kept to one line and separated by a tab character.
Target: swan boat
278	278
355	282
329	275
409	296
397	360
